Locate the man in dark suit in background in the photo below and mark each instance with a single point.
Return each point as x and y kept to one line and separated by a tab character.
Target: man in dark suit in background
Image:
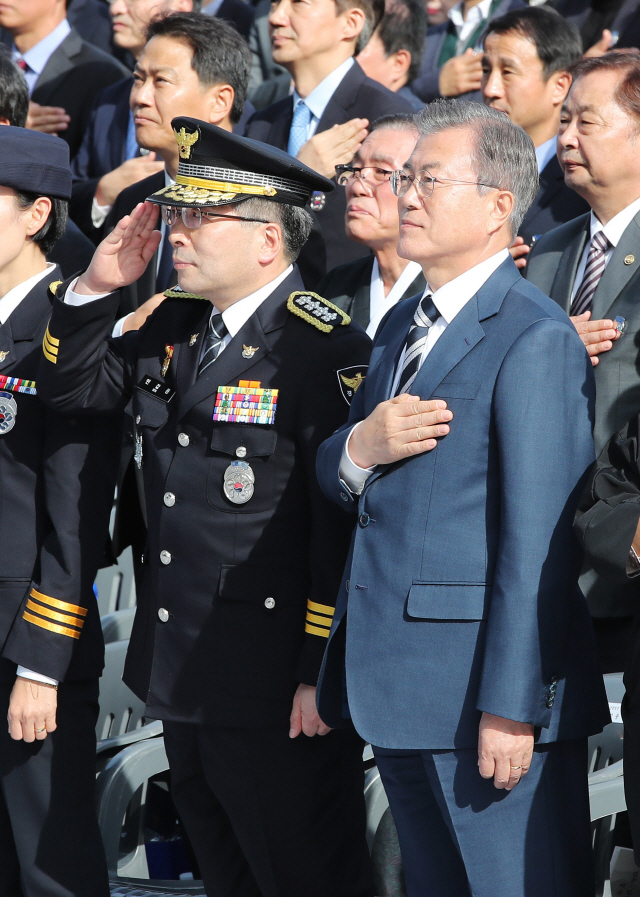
369	287
63	72
525	74
109	158
325	121
591	267
240	13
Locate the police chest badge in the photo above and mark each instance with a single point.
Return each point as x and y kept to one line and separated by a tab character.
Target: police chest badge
350	380
8	412
238	482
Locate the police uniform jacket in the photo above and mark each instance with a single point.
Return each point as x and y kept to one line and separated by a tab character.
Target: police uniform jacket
56	488
237	599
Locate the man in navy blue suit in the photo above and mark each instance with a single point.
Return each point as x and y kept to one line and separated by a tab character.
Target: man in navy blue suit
470	660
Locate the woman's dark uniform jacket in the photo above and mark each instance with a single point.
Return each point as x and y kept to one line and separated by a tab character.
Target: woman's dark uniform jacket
56	490
236	600
606	523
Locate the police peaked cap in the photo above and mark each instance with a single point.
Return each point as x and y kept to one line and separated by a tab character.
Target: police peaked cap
34	162
217	168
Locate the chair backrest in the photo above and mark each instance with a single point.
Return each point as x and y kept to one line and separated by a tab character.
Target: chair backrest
606	747
116	627
120	710
116	585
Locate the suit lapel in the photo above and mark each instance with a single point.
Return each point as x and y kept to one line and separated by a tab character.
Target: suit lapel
59	63
551	182
342	99
27	320
187	366
618	274
280	127
569	261
386	352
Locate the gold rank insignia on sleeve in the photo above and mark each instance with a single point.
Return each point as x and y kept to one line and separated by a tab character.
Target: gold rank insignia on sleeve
54	286
317	311
319	619
50	346
41	610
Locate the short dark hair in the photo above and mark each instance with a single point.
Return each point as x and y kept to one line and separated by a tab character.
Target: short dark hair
14	93
373	12
396	121
404	27
220	53
557	41
627	93
296	222
55	225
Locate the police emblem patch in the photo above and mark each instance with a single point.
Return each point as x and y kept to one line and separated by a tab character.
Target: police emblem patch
351	379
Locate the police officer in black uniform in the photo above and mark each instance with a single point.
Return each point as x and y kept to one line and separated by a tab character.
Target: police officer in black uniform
56	489
244	553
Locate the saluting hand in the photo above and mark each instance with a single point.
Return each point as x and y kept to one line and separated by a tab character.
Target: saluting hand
122	256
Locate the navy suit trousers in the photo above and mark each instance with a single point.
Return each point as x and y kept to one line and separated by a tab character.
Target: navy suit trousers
461	836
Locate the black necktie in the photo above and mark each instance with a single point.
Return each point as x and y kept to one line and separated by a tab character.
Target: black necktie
426	314
216	333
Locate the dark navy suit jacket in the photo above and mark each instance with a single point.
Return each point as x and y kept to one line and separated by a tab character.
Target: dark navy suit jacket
461	585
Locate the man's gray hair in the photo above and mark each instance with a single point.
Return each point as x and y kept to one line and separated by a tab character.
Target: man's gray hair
296	223
503	156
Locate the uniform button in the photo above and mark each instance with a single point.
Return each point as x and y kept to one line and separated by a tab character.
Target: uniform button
364	520
169	499
344	496
138	419
269	603
183	439
165	557
163	615
348	584
241	452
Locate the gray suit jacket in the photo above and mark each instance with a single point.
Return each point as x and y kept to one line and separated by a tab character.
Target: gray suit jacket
552	268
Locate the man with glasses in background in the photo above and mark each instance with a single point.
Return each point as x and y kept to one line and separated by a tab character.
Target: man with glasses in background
368	287
244	554
461	645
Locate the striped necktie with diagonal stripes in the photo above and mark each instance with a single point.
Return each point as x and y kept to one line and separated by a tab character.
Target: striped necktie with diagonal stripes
216	333
425	316
593	271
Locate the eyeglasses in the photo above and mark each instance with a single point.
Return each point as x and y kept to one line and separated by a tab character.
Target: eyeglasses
346	173
192	216
425	182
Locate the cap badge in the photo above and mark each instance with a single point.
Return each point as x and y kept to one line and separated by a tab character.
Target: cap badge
185	141
249	351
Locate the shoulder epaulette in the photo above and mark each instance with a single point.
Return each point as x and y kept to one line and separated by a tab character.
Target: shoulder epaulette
53	286
177	293
317	311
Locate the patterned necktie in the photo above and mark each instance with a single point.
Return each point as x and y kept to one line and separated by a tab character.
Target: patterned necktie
299	128
593	271
212	341
425	316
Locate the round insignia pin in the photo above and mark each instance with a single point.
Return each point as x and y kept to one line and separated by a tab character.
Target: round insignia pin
238	482
8	412
629	259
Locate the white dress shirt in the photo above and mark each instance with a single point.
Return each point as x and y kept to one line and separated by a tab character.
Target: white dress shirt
8	304
545	153
379	304
449	300
38	56
318	99
475	16
613	230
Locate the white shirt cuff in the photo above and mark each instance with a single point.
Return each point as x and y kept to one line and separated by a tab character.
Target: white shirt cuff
117	327
98	213
71	298
353	477
24	673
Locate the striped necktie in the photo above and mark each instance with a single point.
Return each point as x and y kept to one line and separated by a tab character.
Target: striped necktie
216	333
593	271
299	128
426	314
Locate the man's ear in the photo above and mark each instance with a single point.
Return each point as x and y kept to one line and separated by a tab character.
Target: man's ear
221	97
561	86
500	210
401	65
272	244
353	21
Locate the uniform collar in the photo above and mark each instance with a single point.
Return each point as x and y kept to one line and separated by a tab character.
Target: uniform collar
11	300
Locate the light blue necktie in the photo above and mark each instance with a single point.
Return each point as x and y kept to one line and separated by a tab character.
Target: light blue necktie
299	128
132	144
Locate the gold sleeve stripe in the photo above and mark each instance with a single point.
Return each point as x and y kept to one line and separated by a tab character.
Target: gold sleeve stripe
59	605
321	608
323	621
314	630
48	355
67	619
52	627
54	342
50	346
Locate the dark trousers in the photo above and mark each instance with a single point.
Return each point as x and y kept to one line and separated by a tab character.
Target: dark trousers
270	816
460	836
50	844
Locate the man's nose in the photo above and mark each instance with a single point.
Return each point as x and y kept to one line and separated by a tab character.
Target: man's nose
492	85
278	15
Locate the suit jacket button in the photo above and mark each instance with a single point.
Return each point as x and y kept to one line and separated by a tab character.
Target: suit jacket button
163	615
344	496
183	439
165	557
269	603
138	419
347	584
364	520
241	452
169	499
